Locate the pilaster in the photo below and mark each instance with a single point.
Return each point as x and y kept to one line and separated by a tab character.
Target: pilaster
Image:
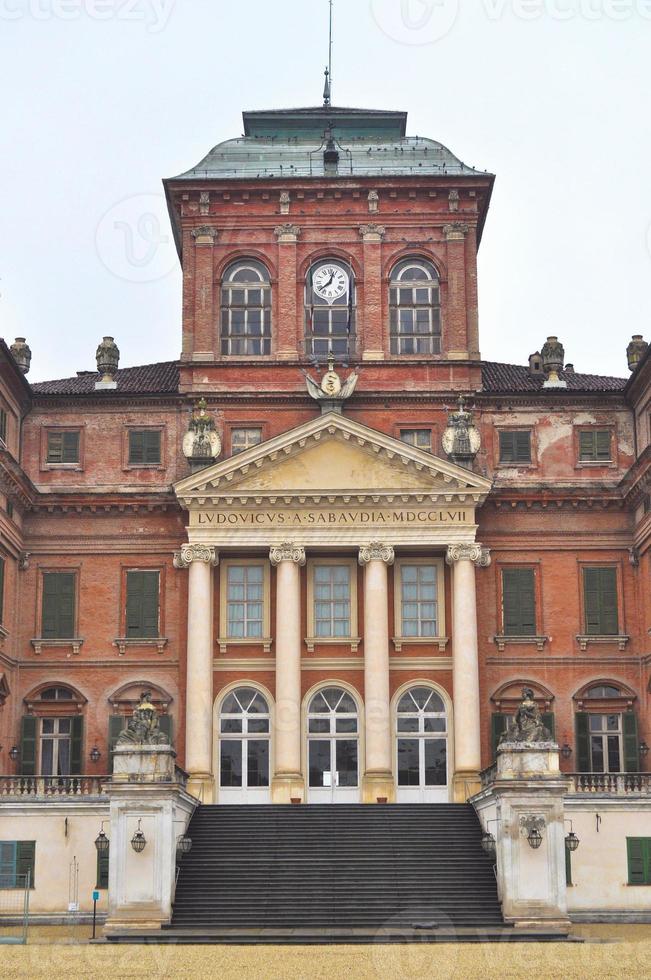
287	321
372	236
204	237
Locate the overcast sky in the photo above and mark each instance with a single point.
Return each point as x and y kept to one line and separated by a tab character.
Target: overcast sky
101	99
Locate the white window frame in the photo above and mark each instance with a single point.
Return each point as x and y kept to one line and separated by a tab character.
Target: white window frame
399	640
311	639
246	428
224	640
416	432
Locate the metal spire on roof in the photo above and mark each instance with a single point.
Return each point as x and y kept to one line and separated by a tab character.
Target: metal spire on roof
327	91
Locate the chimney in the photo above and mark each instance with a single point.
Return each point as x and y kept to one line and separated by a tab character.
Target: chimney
536	366
636	351
22	354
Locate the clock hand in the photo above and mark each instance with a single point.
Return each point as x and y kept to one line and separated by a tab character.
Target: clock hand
329	281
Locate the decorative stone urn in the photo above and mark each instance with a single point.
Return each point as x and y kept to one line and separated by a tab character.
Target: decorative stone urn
108	359
635	351
22	354
553	358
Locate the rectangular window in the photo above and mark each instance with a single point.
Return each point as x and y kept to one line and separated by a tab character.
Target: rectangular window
600	601
419	438
3	425
58	609
638	850
515	446
144	447
17	860
143	604
595	446
245	601
419	600
519	601
332	601
63	446
245	438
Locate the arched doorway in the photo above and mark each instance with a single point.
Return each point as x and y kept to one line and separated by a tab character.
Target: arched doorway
333	747
421	747
244	747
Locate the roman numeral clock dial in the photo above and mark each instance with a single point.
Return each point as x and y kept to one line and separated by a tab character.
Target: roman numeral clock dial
330	283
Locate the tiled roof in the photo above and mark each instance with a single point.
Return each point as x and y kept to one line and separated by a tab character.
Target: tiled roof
150	379
510	378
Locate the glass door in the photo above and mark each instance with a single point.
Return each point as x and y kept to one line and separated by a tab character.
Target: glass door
422	748
333	748
244	748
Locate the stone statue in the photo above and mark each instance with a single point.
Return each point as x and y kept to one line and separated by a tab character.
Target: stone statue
201	443
143	728
332	392
528	724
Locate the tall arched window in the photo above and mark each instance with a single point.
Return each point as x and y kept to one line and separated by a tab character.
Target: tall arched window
333	732
330	309
244	733
246	310
415	308
422	747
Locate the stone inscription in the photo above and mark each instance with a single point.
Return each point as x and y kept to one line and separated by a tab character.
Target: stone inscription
331	518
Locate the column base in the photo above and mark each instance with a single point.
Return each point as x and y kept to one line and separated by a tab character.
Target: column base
373	355
465	785
286	787
201	785
378	786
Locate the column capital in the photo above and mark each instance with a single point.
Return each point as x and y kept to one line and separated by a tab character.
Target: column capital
476	553
190	553
287	233
205	235
287	551
376	551
372	233
456	232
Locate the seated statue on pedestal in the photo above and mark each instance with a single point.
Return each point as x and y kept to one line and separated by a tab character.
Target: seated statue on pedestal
143	727
528	724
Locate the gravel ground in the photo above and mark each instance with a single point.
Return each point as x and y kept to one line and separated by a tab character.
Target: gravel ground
609	951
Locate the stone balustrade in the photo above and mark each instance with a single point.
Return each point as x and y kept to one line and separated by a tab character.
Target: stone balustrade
51	787
612	784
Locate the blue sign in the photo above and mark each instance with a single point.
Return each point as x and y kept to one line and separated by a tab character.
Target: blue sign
96	896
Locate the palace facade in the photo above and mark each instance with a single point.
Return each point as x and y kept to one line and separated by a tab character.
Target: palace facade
335	577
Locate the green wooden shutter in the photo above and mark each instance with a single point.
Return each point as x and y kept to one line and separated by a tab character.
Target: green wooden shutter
523	447
519	599
568	866
600	595
76	745
117	724
638	852
28	729
58	611
591	600
2	589
603	440
631	742
3	425
142	604
506	447
499	724
587	448
103	869
609	614
166	723
26	859
144	446
582	723
70	447
152	446
549	721
136	447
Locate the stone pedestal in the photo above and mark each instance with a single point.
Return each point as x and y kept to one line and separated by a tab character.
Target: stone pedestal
145	791
526	792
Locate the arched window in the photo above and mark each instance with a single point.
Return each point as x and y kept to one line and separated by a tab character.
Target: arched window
57	694
415	308
330	309
603	691
244	732
52	733
607	736
246	310
333	731
422	746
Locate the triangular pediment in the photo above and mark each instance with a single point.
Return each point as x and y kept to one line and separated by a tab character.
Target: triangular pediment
332	457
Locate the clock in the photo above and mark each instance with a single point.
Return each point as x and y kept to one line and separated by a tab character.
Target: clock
330	283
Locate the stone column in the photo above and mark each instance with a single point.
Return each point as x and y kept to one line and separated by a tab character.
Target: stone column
287	320
204	321
200	559
378	779
467	728
457	329
288	782
372	236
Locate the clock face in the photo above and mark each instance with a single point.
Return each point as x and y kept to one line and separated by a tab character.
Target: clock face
330	282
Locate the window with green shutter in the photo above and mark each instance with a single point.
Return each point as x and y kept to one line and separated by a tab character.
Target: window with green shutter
638	850
600	601
3	425
595	446
63	446
515	446
2	590
58	611
142	604
519	601
144	447
103	869
17	863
